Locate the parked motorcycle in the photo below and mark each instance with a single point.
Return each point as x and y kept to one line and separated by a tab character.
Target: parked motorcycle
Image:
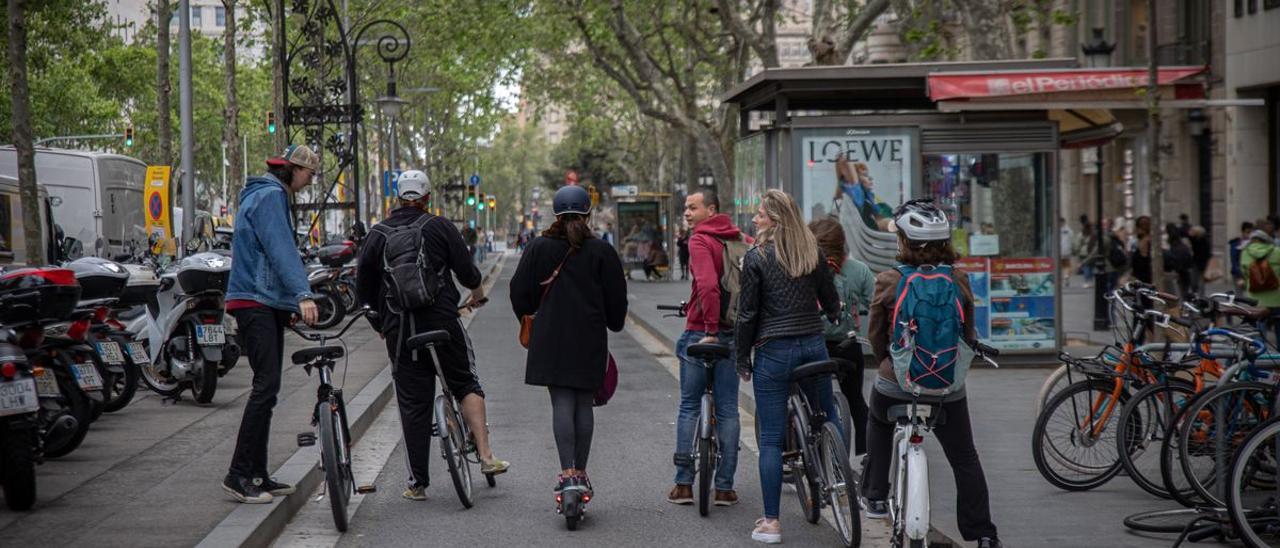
184	327
103	284
334	298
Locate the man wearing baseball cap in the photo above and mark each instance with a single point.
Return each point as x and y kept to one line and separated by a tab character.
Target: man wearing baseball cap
406	232
268	285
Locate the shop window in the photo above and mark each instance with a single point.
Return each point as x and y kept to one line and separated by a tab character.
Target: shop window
999	205
6	226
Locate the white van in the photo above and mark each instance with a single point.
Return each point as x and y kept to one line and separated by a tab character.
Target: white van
96	196
13	240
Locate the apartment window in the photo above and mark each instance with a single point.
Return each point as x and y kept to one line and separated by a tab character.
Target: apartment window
220	16
195	16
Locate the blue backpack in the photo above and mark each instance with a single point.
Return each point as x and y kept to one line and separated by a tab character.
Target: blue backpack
930	356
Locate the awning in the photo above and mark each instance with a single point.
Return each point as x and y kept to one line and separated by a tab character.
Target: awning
1080	100
1034	85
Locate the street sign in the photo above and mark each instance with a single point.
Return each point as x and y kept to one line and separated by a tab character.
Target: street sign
156	204
475	179
625	191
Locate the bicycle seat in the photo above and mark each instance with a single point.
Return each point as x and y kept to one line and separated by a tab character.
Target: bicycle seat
813	369
1252	313
308	355
429	338
902	412
708	351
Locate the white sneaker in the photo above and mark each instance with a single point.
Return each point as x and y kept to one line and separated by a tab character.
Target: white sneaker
768	533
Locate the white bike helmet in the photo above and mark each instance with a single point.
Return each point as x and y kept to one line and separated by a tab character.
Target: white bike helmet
921	221
413	185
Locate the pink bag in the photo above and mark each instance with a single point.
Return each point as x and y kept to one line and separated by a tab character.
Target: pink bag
610	385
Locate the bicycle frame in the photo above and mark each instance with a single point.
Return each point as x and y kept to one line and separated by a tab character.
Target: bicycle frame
910	470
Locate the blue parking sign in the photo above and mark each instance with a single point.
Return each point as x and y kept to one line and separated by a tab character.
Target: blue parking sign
475	179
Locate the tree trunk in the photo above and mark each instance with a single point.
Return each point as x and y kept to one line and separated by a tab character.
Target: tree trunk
278	140
985	25
1156	181
231	125
28	192
164	129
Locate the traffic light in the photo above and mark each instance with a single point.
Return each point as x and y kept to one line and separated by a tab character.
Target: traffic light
128	136
471	196
493	201
480	203
271	121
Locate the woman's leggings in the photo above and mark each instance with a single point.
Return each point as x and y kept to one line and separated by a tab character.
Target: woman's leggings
573	422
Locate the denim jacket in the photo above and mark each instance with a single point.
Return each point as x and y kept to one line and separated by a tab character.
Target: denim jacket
265	264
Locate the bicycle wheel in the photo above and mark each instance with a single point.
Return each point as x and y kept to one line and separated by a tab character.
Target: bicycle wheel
802	469
1162	521
1052	385
1252	495
1073	443
846	420
452	444
839	486
1155	407
706	469
1238	408
332	451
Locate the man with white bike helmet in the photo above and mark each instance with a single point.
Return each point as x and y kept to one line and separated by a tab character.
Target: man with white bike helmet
408	231
924	242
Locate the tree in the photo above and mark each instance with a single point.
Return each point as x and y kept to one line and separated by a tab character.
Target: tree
164	127
231	127
837	26
23	139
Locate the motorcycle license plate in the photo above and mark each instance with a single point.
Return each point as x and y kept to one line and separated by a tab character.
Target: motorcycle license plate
211	335
87	376
46	384
138	353
110	352
18	396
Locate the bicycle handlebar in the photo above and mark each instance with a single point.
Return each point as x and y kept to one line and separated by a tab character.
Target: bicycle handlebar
322	337
670	307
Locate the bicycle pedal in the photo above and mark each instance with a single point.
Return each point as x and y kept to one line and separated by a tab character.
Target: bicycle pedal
306	439
366	489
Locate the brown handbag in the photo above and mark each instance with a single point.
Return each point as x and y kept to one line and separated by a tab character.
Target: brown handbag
526	321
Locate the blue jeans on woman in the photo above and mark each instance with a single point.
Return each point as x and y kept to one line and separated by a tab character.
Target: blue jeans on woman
771	376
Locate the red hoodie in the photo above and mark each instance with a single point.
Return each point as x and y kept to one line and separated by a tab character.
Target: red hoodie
706	261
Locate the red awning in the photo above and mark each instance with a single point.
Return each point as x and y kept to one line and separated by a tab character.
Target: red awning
977	85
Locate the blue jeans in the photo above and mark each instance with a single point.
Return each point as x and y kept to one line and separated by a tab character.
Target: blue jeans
724	390
772	378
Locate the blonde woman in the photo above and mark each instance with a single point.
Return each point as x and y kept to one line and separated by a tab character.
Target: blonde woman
783	280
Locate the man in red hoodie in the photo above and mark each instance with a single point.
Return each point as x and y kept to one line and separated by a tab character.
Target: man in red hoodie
706	258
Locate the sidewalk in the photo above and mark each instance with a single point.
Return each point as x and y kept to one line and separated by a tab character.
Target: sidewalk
1028	511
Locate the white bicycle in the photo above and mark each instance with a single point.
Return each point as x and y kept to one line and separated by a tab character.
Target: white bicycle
909	469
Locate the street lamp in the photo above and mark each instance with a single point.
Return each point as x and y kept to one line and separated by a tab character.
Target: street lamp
391	105
1097	53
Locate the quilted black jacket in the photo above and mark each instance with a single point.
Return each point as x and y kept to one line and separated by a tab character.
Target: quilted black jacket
772	304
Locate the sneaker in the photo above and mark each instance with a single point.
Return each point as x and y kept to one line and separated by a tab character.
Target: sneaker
245	490
681	494
276	488
989	542
767	532
585	481
494	467
416	492
561	482
726	498
875	509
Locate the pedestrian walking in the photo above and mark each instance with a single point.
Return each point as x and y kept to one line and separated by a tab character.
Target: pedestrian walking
1140	251
1179	261
1202	255
923	242
682	251
1260	264
414	253
267	286
707	321
571	282
1115	257
1066	243
855	285
783	282
1234	248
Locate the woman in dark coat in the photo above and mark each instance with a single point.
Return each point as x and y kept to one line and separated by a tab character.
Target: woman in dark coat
568	346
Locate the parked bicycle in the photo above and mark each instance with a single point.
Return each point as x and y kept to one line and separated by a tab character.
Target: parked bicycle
332	430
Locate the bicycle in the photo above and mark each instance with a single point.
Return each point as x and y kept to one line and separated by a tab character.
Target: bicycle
333	430
457	445
909	467
818	456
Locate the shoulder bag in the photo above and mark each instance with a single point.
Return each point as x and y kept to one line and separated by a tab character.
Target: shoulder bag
526	321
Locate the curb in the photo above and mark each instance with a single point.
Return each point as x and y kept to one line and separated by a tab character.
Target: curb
258	525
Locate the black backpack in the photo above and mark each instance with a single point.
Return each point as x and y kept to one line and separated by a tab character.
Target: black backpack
409	281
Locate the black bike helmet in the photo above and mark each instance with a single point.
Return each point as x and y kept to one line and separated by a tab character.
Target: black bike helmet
572	199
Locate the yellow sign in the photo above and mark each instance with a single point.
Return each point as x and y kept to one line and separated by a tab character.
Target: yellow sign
155	205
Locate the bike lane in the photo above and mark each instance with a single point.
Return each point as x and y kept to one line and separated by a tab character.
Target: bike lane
630	465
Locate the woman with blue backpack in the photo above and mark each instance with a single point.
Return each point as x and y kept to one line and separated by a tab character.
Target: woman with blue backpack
784	280
918	330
